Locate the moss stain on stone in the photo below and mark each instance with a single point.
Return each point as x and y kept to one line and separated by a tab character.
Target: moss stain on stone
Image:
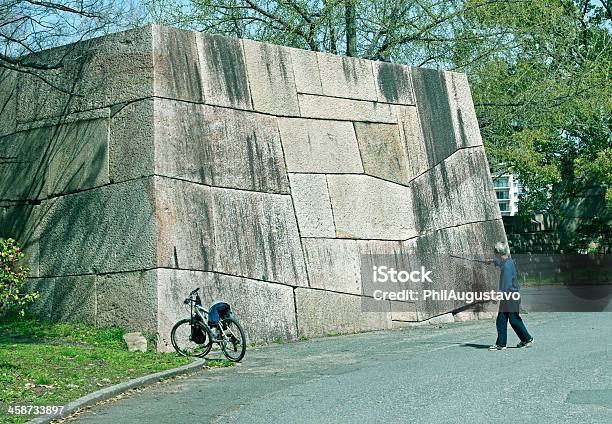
393	81
224	56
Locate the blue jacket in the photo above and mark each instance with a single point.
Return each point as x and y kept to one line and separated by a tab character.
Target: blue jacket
508	279
218	310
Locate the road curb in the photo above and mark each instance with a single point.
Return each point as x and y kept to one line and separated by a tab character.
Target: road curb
117	389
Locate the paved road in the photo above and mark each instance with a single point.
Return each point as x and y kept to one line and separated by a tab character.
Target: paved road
424	375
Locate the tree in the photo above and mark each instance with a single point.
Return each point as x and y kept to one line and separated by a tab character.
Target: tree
395	30
544	99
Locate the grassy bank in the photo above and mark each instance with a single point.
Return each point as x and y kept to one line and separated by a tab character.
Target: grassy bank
52	364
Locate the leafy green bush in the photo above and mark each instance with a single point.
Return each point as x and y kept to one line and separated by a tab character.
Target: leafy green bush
13	276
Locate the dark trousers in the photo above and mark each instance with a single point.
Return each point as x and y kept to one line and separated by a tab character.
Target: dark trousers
517	325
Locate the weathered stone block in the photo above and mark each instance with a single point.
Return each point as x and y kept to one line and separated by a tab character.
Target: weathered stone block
446	113
435	114
463	113
390	254
135	342
41	307
412	137
348	77
404	311
321	107
271	78
265	310
383	152
379	247
224	73
456	191
78	157
176	64
441	319
256	236
49	160
319	146
128	300
322	312
131	141
369	208
184	225
333	264
8	102
107	229
219	147
23	166
102	71
464	316
74	299
337	264
306	71
393	83
71	118
312	205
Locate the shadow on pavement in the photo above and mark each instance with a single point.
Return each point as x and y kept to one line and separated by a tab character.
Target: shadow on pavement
481	346
475	346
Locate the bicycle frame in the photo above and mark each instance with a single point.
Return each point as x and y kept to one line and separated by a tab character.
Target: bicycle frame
203	314
199	311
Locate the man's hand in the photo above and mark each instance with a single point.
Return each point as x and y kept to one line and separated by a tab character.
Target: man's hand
489	261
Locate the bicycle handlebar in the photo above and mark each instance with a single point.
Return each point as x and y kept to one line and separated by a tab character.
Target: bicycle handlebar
190	298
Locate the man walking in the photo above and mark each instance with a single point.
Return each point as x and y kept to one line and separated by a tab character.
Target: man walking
508	309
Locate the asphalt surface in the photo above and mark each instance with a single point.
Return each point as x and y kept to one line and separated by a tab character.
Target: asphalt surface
422	375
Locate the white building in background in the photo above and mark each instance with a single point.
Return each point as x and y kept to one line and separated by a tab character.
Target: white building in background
507	189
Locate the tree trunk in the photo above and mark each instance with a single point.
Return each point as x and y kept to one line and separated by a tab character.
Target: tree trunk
351	28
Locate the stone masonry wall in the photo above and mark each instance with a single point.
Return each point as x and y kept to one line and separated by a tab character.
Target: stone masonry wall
260	173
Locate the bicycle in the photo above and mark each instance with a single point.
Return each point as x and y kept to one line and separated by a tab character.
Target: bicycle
195	336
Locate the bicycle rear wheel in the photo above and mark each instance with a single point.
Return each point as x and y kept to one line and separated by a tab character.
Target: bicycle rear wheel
182	340
233	344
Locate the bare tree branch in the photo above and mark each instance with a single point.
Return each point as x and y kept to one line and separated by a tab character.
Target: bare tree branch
64	8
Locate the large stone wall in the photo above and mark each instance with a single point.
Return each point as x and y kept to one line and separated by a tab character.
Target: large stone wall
260	173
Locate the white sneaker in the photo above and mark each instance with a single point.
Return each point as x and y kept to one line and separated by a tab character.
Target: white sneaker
495	347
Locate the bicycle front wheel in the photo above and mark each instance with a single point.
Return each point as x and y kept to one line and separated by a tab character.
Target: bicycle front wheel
182	340
233	344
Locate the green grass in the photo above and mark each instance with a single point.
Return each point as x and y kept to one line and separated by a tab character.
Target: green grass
52	364
219	363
